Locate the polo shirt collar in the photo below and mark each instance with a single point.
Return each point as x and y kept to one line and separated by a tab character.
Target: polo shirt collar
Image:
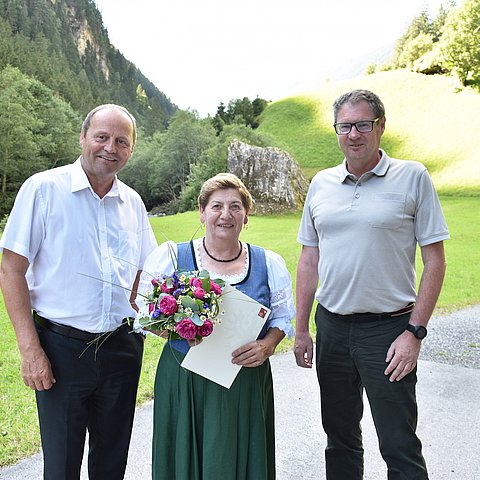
379	170
80	181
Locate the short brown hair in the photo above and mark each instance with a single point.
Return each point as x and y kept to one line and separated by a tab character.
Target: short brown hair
357	96
222	181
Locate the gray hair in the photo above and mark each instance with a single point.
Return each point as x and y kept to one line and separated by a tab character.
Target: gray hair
88	118
357	96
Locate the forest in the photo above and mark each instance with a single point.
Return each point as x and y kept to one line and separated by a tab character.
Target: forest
56	63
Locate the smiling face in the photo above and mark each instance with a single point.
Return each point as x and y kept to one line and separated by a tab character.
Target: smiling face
106	147
361	150
224	215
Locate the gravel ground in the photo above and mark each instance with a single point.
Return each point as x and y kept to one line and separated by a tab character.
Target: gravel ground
454	339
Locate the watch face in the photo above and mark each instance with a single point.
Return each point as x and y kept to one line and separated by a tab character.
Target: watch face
419	331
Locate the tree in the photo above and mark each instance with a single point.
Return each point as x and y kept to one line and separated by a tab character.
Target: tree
37	131
419	25
239	111
460	43
214	160
415	48
181	149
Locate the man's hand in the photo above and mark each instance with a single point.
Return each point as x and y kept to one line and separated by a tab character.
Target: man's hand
303	350
402	356
36	371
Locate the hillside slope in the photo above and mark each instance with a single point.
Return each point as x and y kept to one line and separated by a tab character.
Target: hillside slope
428	119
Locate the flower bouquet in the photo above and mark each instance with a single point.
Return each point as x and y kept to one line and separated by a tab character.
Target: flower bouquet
185	304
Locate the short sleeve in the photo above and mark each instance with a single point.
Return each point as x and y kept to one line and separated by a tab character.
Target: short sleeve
281	293
307	234
25	228
430	224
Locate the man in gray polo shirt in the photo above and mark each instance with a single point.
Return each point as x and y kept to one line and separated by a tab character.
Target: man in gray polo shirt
360	226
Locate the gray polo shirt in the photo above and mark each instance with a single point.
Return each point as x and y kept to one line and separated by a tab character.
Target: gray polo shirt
367	230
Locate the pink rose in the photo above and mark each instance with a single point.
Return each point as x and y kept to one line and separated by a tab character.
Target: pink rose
186	329
151	307
195	282
165	289
199	293
154	282
168	305
215	288
206	329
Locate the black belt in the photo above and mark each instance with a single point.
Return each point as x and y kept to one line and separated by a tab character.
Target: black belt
76	333
371	317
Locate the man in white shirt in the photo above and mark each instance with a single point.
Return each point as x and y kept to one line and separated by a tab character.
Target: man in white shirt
73	249
359	232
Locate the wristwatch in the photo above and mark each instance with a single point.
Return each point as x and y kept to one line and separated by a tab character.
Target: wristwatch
419	331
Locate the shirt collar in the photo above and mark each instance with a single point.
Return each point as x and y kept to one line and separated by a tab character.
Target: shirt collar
80	181
379	170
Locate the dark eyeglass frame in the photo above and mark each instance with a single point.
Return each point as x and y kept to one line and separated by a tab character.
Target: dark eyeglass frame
337	126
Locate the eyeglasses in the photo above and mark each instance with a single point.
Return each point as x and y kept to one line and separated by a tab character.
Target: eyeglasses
364	126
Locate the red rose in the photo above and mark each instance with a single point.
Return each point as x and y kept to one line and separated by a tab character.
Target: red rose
199	293
195	282
215	288
206	329
186	329
165	289
168	305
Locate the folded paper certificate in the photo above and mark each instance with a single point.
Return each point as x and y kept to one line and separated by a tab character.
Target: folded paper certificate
240	324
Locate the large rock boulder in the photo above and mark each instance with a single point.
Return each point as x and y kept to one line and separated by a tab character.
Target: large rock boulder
272	176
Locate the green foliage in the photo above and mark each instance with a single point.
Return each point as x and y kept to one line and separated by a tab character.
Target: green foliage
37	131
64	45
162	166
460	43
415	48
214	160
239	111
420	25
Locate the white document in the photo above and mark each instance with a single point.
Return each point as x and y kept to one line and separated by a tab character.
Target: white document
241	323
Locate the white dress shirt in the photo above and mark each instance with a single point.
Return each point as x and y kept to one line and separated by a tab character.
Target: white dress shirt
84	251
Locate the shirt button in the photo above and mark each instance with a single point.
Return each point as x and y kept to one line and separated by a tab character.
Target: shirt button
357	195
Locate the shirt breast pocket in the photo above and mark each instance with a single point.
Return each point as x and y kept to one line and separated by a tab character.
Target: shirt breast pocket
128	248
388	210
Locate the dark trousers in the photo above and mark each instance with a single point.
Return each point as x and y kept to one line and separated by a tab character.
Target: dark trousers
350	357
95	389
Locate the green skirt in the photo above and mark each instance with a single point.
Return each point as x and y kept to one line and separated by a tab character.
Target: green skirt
203	431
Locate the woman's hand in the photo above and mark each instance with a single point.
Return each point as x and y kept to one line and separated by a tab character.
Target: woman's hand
252	354
195	342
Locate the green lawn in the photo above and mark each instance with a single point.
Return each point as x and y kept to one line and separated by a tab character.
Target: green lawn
18	421
419	126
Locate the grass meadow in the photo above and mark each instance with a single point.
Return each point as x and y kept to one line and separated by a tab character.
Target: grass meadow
19	436
427	120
